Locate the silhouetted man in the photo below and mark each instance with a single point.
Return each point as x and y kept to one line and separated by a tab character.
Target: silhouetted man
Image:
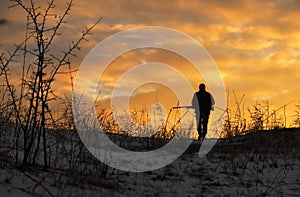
203	103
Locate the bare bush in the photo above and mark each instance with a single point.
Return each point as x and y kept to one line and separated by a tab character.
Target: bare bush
30	102
296	122
235	121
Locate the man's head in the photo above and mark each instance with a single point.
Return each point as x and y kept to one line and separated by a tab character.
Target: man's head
202	87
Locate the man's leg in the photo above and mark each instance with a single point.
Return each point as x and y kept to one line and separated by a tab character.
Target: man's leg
205	122
199	127
201	123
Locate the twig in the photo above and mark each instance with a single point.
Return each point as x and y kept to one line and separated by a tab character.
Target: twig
39	183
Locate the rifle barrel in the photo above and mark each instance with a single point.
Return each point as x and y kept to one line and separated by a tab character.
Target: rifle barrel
178	107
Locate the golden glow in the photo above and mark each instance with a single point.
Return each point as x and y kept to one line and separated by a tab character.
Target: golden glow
256	44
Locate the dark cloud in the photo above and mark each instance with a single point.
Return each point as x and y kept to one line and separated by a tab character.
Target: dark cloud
3	21
255	43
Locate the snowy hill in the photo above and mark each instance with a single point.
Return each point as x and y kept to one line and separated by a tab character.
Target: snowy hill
265	163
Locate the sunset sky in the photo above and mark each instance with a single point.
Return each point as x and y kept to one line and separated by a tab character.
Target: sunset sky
255	43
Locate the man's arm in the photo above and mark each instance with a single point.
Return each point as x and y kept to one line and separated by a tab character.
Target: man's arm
194	101
212	102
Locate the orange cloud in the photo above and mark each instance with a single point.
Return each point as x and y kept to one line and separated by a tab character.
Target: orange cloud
256	44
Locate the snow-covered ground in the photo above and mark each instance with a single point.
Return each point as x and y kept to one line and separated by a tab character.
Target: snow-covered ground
260	164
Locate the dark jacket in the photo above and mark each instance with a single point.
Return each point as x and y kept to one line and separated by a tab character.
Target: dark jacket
204	100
